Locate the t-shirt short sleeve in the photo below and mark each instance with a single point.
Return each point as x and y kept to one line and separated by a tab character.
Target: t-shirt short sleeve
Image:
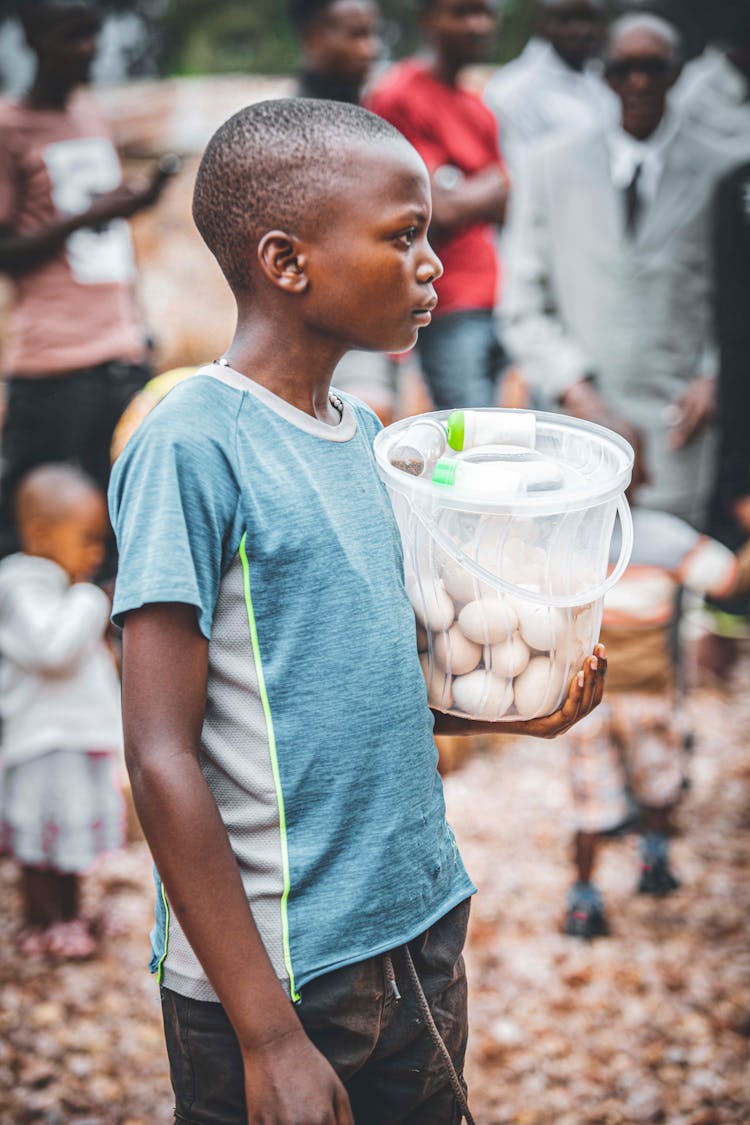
174	501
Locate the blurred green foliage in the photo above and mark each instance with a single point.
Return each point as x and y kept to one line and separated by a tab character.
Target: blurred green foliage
225	36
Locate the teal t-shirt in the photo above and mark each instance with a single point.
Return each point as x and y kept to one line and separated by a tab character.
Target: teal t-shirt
317	741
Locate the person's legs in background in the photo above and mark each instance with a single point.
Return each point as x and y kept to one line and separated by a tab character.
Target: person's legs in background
655	754
63	418
462	359
599	791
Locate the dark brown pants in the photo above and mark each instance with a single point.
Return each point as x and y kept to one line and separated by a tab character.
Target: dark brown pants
378	1045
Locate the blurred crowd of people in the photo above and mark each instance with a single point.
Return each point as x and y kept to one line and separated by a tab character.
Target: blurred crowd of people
591	208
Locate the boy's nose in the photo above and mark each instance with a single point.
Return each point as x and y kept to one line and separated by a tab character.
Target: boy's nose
430	269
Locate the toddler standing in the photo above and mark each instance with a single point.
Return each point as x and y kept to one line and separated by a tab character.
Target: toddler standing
59	705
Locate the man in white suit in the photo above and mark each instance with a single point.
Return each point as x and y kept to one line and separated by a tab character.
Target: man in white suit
608	301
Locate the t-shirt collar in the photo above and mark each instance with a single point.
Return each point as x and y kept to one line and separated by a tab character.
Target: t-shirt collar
344	431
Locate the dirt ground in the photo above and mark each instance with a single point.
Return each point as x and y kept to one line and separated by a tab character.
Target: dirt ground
649	1025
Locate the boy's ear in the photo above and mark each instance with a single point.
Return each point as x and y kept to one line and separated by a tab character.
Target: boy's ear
283	261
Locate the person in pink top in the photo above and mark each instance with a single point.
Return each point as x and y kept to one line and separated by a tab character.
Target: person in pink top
75	349
456	135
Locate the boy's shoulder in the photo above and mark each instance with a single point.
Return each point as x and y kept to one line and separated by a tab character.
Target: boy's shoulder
198	409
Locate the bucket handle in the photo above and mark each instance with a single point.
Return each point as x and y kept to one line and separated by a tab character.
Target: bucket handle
563	601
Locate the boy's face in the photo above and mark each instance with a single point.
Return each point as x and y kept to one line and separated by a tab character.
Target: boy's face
370	265
77	540
65	40
345	42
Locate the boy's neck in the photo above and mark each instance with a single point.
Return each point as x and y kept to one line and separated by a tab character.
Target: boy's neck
300	372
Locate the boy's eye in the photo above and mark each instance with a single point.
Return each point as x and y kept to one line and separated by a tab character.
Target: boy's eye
407	236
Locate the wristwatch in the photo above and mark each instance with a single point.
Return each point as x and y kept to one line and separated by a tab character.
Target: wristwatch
447	177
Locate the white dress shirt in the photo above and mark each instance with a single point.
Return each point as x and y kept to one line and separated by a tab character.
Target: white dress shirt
627	153
538	95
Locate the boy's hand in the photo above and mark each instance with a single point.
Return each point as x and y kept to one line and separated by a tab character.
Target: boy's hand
288	1082
584	694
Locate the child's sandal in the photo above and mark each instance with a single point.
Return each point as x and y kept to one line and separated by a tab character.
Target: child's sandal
70	941
32	942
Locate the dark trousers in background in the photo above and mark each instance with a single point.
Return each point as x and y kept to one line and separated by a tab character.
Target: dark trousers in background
379	1046
69	417
462	359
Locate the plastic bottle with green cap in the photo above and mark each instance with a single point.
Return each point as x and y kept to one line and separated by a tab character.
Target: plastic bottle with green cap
483	480
467	429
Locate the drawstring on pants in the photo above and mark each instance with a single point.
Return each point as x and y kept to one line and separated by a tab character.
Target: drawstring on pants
435	1035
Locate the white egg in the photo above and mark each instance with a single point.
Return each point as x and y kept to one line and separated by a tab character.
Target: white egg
459	583
454	653
537	690
542	627
482	695
487	621
439	686
432	605
497	555
509	658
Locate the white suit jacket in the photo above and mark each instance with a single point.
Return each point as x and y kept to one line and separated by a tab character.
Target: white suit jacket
584	298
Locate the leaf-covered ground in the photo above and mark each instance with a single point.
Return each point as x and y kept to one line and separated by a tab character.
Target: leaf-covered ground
649	1025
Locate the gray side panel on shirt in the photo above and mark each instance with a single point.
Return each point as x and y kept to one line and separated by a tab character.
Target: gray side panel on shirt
238	766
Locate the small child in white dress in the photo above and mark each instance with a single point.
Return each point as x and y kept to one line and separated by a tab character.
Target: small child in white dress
59	707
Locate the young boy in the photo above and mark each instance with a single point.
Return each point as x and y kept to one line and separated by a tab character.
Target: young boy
277	729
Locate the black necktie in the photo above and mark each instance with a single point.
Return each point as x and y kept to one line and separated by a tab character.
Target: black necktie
632	203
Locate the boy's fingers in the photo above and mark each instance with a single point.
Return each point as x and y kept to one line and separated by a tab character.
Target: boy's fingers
601	676
559	722
590	669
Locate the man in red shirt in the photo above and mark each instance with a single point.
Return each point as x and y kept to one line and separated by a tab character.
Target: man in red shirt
456	135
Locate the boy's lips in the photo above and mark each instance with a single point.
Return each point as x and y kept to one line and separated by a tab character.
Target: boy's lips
424	312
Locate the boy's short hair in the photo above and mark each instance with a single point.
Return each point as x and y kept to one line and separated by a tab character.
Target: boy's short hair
273	165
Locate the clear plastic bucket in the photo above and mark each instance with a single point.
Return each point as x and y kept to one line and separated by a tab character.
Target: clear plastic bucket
508	590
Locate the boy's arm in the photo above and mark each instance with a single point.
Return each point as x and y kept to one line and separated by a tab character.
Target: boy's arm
165	661
584	694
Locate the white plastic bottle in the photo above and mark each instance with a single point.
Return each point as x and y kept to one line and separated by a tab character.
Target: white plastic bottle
470	428
484	480
419	449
